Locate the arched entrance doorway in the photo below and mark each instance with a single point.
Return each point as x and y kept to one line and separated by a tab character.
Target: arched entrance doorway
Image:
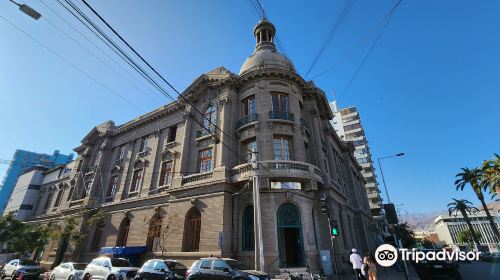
290	241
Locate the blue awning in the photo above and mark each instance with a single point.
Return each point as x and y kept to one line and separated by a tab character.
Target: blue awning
122	250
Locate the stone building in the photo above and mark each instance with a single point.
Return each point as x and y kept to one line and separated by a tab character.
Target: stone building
177	181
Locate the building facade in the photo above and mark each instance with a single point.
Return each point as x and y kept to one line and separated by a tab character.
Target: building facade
448	227
347	124
22	161
177	181
26	193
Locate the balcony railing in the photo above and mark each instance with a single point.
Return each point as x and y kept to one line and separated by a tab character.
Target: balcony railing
246	119
287	165
281	115
205	131
196	177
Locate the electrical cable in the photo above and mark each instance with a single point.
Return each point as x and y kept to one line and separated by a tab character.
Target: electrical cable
72	65
331	35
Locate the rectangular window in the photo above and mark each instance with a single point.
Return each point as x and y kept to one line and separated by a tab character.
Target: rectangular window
282	148
205	160
249	106
70	195
172	133
120	154
280	102
166	173
48	201
58	198
144	145
136	180
249	147
113	186
87	189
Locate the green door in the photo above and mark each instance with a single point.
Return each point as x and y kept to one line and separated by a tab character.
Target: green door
290	241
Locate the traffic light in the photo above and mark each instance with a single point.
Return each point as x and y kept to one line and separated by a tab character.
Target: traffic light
323	203
334	228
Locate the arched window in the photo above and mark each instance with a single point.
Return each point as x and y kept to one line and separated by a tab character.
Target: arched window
154	233
247	235
209	119
192	228
123	232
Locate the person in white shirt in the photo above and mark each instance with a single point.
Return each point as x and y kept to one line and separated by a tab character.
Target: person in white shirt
357	263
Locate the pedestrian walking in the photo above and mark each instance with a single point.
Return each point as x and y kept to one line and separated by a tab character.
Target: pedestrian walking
371	267
357	263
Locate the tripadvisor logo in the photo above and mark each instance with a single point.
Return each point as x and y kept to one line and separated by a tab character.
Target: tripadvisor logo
387	255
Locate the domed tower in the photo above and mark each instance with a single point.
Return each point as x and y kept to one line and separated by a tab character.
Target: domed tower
265	54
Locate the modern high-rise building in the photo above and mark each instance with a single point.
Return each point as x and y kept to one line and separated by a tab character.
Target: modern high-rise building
347	124
22	161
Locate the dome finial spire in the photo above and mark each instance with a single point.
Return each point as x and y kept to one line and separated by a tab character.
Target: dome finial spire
264	34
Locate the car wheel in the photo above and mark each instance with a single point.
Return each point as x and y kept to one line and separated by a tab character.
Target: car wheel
13	275
70	277
52	277
86	277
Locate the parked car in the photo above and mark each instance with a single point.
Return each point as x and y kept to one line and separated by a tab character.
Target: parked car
222	269
157	269
106	268
68	271
29	268
486	257
432	269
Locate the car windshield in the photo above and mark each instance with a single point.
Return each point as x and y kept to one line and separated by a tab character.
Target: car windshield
120	263
79	266
175	265
27	262
234	264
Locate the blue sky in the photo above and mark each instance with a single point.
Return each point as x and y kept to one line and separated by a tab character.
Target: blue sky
429	88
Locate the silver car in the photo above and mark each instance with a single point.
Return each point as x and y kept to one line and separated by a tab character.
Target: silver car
106	268
30	269
68	271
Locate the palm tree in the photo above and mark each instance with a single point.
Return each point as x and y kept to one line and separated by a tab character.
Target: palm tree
491	175
464	206
473	177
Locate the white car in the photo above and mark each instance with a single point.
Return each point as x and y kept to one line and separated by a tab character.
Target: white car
106	268
68	271
30	269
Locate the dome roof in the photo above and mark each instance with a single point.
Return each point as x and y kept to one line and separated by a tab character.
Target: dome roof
266	58
265	55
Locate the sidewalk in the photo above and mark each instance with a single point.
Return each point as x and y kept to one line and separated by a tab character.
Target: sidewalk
387	274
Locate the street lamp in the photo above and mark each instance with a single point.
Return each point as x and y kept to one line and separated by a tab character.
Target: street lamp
28	10
382	173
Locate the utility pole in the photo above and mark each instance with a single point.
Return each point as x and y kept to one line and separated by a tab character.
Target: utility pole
257	219
333	230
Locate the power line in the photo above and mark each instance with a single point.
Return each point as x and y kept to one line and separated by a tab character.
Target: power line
361	43
168	83
333	31
96	57
391	12
98	48
72	65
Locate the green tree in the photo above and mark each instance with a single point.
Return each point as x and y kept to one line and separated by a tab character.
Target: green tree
405	233
467	237
20	237
463	207
473	178
491	175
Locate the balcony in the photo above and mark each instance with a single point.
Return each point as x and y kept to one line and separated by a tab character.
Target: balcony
196	177
246	120
300	171
204	132
281	115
